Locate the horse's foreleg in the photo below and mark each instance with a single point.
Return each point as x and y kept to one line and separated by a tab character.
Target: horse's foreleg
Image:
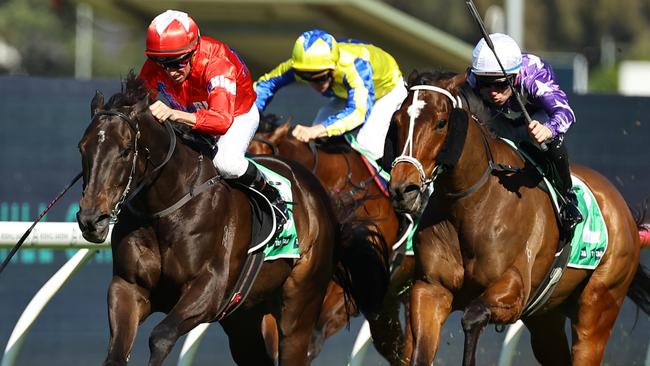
430	306
195	306
270	335
247	345
501	303
127	305
548	338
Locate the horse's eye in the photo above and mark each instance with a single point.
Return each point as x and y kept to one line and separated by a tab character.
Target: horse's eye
441	123
125	152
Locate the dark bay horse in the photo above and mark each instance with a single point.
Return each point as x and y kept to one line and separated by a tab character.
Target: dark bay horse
487	238
185	259
343	173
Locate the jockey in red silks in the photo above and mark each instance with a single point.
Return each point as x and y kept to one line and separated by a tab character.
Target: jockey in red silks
207	86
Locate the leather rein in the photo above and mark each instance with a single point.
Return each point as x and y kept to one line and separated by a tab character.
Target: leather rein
128	194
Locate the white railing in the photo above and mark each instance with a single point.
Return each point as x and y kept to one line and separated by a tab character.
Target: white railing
62	235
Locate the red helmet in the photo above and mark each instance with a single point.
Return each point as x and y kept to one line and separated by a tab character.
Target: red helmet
172	33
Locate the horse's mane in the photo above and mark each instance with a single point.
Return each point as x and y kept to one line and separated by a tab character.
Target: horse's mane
428	77
268	123
133	90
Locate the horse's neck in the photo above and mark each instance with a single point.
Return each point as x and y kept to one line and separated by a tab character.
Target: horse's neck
295	150
184	169
472	163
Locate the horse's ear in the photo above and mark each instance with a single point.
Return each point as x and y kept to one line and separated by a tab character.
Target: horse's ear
412	76
280	132
452	84
140	107
97	104
459	79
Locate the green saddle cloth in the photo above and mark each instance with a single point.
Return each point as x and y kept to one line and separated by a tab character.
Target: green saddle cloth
589	240
286	243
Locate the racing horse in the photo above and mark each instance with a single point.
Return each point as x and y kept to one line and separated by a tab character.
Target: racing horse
182	236
487	237
344	174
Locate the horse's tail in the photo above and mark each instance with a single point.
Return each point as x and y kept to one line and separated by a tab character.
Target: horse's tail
362	267
644	235
639	290
640	217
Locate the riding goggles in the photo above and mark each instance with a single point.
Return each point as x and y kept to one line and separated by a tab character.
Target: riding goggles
497	82
317	77
173	62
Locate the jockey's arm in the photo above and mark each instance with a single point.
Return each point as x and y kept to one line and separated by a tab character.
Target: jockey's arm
163	112
268	84
360	99
546	93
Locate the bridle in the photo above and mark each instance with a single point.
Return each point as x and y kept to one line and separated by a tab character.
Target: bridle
134	125
407	152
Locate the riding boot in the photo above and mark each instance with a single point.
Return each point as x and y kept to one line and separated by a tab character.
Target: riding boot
253	178
561	178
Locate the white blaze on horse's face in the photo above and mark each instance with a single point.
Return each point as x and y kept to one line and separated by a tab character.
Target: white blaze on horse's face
102	136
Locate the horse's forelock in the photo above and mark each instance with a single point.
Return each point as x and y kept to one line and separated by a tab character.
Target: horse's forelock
431	77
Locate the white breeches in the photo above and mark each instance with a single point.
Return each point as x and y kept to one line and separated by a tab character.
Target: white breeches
230	160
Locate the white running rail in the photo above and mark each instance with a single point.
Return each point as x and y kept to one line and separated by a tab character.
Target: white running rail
62	235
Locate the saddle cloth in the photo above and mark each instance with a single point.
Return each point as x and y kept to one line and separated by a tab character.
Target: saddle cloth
285	244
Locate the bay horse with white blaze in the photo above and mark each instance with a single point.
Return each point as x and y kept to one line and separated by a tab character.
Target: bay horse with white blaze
181	246
344	174
488	237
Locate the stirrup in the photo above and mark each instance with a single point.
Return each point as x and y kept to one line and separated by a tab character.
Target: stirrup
277	204
571	216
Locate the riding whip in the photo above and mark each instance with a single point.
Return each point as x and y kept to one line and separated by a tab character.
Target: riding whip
40	216
486	37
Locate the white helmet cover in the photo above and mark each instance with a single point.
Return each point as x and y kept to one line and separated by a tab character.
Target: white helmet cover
485	64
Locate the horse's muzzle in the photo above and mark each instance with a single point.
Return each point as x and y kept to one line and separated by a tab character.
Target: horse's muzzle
93	224
406	196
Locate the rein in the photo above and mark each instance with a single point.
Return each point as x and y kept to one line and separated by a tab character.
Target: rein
407	152
125	197
269	143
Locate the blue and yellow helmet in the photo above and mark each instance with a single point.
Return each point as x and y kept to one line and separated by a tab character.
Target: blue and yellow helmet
315	50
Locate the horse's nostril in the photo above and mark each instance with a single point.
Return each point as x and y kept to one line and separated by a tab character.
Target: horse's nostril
411	188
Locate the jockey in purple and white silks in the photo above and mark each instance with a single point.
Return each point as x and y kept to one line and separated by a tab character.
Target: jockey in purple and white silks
545	101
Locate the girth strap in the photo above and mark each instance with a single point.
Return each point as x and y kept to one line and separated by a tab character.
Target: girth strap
240	291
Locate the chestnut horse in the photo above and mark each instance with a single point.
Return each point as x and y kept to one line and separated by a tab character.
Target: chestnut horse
343	173
487	237
183	253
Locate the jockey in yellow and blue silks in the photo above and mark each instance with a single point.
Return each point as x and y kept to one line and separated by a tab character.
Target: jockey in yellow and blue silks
364	84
